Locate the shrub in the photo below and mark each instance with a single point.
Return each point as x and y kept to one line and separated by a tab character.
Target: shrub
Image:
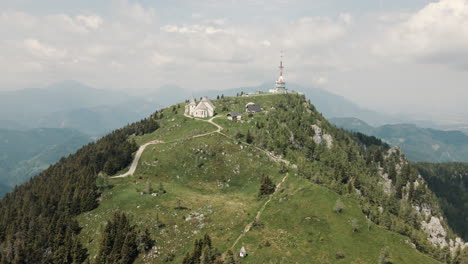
339	255
384	257
355	225
339	206
267	187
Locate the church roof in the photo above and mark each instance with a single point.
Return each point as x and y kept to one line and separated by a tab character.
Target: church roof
207	101
201	106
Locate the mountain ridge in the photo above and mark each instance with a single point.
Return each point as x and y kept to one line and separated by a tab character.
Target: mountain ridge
419	144
348	197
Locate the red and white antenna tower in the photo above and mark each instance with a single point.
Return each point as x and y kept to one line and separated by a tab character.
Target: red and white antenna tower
281	67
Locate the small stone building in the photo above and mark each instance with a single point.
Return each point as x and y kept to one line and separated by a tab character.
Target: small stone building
253	108
234	116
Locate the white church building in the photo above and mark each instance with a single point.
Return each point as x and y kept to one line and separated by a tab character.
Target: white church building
205	108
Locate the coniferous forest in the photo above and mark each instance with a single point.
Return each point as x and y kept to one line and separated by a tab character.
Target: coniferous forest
449	181
37	222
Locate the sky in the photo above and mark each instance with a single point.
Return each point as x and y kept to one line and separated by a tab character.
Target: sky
395	56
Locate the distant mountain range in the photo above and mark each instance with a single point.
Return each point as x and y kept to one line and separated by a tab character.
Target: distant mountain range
71	104
419	144
27	153
85	112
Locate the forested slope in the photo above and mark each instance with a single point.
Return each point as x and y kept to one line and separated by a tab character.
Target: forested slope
37	220
283	183
449	181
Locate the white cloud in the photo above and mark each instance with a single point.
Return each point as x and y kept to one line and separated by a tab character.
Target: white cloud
92	22
159	59
137	12
321	81
437	33
133	47
42	50
266	43
346	18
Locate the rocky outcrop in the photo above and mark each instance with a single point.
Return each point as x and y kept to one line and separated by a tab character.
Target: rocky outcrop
437	234
432	223
320	138
386	182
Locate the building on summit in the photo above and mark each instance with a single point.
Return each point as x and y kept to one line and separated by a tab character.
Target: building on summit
253	108
234	116
280	86
205	108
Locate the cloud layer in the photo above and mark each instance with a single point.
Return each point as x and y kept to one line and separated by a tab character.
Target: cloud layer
438	33
135	47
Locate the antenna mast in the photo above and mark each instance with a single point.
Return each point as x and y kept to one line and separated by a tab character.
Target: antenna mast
281	67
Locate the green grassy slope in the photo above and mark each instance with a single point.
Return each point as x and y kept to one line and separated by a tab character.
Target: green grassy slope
212	185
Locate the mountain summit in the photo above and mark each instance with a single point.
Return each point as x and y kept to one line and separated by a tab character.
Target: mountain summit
279	185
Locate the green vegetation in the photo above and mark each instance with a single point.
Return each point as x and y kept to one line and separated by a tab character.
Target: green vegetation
449	181
267	187
300	227
210	184
203	252
121	242
37	220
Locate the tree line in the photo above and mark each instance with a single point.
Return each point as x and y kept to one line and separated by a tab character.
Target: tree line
37	219
352	166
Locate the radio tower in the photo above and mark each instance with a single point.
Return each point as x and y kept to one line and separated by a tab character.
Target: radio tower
280	85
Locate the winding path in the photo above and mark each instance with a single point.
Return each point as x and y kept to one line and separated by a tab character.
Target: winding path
136	159
142	148
259	213
273	157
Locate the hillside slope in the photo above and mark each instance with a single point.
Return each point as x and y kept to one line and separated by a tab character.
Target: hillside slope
450	182
284	184
418	144
211	185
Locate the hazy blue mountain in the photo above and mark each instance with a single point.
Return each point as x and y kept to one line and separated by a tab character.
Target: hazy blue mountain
98	120
27	153
419	144
10	124
56	97
70	104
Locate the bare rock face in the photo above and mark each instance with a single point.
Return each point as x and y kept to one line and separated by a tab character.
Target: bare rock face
423	210
328	140
457	243
433	223
386	183
436	232
318	134
320	138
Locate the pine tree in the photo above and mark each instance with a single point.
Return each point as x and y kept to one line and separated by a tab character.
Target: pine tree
248	137
267	186
149	188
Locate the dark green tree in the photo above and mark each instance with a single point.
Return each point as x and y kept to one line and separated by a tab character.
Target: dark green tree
267	186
